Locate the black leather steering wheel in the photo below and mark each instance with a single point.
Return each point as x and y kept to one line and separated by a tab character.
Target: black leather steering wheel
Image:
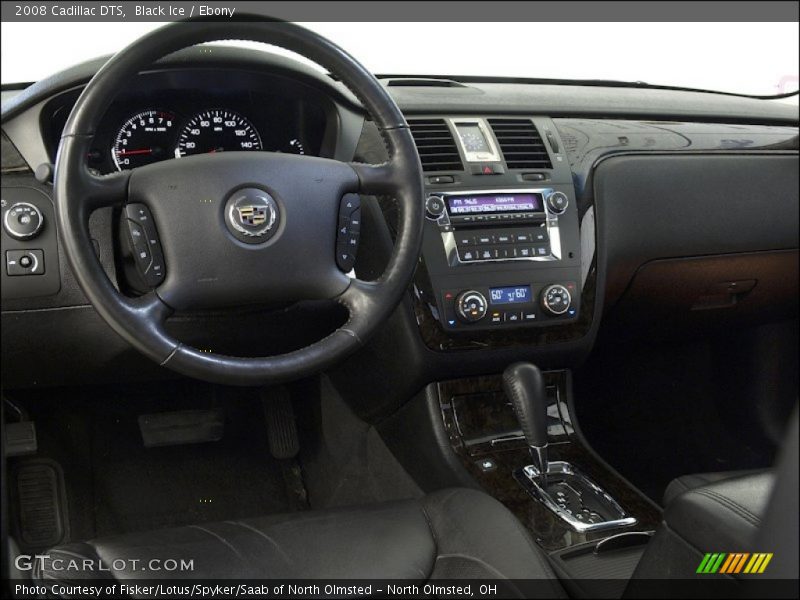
207	265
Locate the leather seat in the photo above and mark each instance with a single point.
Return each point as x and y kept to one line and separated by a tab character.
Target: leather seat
455	533
684	483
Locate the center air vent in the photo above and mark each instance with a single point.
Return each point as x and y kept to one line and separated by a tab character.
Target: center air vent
521	144
436	146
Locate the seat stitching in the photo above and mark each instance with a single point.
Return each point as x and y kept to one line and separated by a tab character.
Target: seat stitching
433	536
218	537
731	505
265	536
473	558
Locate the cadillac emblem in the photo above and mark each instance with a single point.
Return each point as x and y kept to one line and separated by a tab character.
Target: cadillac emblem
252	215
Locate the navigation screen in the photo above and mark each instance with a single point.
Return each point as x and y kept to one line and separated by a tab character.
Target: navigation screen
494	203
510	295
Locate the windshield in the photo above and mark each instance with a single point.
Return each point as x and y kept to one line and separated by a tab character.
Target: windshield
744	58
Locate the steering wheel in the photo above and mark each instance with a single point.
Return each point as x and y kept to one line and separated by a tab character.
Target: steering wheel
211	212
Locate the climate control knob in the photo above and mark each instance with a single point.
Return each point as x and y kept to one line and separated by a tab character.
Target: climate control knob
471	306
556	299
557	202
23	221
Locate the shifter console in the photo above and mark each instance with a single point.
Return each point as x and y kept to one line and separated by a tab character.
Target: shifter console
573	497
559	486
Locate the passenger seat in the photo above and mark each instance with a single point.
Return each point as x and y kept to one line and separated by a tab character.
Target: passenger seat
684	483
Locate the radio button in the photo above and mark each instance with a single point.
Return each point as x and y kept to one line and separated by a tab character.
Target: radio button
541	250
487	254
504	238
524	252
484	239
467	255
465	240
522	238
539	235
506	252
528	316
513	317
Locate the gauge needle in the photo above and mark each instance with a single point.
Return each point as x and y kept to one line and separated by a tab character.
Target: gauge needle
132	152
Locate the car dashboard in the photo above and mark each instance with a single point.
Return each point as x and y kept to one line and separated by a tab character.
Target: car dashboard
551	210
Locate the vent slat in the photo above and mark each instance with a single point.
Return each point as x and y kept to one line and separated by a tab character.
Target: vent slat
435	144
521	144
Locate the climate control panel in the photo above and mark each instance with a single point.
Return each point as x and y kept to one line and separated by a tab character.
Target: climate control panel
529	304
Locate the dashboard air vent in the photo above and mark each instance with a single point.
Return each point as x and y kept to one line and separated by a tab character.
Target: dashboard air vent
521	144
436	146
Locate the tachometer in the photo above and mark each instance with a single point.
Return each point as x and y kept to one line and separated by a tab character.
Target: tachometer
143	139
217	130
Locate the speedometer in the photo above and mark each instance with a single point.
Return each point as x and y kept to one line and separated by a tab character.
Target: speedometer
143	139
217	130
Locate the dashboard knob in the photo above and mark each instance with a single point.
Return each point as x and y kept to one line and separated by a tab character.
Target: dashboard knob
556	299
434	207
23	221
471	306
557	202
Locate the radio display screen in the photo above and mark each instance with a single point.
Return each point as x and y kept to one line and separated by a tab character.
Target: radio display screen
517	294
494	203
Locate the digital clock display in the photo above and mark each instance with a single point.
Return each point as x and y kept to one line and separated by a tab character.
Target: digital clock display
518	294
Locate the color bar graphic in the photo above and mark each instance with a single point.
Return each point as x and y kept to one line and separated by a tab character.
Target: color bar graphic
734	563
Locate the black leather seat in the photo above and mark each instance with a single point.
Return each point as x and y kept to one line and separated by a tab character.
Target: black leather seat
455	533
684	483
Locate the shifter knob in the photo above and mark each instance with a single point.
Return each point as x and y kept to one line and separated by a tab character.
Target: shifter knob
524	386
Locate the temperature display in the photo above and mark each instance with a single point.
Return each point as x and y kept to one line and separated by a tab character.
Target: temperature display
518	294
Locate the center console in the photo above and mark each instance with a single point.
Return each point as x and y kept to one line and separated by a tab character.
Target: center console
501	249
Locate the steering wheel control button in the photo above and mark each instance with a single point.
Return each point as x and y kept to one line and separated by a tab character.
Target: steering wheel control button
252	215
349	231
557	202
471	306
434	207
556	299
145	244
24	262
23	221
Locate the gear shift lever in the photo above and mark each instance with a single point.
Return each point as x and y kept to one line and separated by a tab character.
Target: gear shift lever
558	485
523	383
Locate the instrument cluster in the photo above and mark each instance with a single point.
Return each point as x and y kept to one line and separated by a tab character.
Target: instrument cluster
171	115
